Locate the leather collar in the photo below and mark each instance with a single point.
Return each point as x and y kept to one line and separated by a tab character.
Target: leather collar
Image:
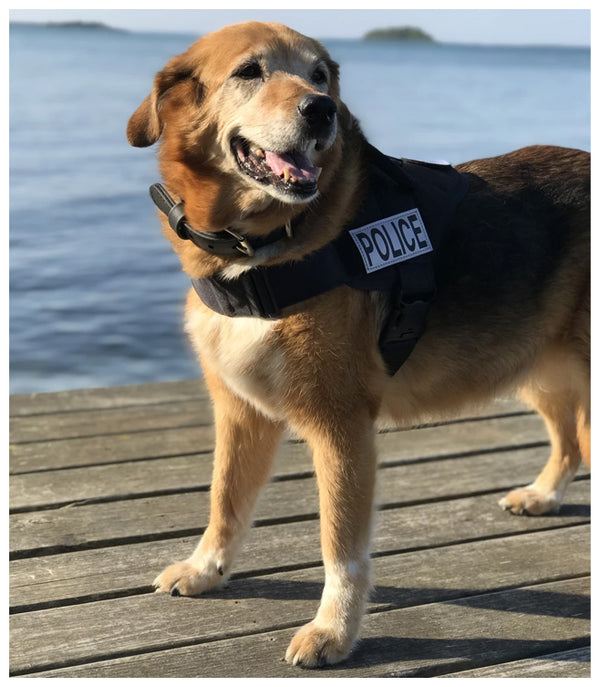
228	242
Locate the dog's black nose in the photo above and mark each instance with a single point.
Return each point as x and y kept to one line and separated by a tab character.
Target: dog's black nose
318	111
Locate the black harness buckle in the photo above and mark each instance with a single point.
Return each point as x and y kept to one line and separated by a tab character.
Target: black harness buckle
403	328
406	321
407	318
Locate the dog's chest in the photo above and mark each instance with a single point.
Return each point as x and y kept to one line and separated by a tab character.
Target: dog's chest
244	351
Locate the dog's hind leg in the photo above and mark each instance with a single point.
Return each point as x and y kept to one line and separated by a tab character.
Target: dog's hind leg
246	442
559	391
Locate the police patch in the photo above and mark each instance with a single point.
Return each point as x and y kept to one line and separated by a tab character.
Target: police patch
391	240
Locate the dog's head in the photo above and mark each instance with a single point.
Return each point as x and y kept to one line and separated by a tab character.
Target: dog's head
249	116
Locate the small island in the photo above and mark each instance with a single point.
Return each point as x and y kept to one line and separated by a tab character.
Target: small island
399	33
80	25
95	25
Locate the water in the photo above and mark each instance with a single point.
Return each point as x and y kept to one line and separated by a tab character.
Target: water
96	294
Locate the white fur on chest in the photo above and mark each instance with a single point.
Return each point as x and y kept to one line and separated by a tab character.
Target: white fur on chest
244	352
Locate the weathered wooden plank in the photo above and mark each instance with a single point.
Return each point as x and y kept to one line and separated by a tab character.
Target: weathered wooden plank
88	423
80	525
411	642
106	397
115	627
66	453
106	479
570	663
131	444
129	478
115	570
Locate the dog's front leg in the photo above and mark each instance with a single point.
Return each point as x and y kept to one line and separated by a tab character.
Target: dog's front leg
345	465
246	441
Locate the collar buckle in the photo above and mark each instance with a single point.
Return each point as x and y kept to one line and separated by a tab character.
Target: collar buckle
243	244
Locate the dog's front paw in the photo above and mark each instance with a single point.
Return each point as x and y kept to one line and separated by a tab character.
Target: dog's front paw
530	501
187	579
314	646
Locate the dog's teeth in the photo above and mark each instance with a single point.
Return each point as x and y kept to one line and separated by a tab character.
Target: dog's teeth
286	174
293	179
259	152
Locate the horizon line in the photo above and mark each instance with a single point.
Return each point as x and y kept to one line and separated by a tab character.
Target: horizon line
180	32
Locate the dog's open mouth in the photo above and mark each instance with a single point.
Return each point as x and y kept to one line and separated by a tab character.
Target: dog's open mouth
291	172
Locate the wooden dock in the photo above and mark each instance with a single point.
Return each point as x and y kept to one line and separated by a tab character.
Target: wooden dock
108	486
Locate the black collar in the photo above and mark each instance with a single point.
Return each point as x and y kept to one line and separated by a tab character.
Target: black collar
226	242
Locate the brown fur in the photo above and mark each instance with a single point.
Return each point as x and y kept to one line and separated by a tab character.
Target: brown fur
511	313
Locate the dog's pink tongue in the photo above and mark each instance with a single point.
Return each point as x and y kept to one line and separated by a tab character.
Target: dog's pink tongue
297	165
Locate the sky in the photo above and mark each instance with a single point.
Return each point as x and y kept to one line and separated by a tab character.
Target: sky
486	26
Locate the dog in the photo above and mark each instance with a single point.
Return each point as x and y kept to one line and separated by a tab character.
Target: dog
255	139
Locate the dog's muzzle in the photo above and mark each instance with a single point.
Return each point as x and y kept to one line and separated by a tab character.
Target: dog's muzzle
291	173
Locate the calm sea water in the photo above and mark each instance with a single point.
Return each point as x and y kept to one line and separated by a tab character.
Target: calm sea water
95	292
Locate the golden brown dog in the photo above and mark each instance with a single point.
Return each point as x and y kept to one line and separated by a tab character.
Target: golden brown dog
253	135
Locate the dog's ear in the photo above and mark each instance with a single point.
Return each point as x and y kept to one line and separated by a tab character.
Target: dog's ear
145	124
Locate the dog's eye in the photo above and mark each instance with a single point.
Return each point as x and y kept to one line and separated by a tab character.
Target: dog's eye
251	70
319	76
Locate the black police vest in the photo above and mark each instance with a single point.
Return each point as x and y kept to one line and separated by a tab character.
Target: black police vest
387	247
